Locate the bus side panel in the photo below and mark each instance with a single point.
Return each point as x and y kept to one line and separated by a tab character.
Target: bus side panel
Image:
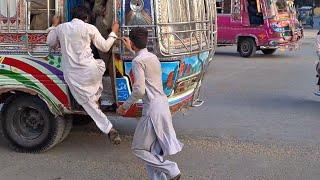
40	75
180	80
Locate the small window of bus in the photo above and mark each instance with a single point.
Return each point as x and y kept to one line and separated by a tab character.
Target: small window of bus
184	26
12	15
40	13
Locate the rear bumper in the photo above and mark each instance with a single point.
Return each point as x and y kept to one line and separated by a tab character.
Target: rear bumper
288	42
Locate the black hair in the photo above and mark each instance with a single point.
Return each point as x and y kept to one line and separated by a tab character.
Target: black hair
319	32
139	37
80	12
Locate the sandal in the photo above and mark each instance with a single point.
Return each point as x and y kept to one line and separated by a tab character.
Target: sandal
114	137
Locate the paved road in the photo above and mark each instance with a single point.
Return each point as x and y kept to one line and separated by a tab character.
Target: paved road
260	121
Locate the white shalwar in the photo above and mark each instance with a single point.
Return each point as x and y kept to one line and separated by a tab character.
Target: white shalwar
82	72
154	136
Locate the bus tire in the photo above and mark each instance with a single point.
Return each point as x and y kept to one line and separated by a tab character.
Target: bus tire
268	51
247	47
29	127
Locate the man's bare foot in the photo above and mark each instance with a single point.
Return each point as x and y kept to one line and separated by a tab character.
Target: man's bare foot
114	137
177	177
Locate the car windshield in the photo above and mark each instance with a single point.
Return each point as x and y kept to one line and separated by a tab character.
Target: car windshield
275	7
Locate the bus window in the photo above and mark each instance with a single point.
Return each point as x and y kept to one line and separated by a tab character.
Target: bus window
11	15
40	15
255	14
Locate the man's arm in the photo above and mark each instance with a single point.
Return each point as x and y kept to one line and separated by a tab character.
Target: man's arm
139	87
101	43
52	39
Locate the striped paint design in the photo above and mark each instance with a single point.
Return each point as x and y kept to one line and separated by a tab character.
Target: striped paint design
38	73
52	69
24	81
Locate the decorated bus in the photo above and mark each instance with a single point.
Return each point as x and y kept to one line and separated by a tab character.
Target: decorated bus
38	108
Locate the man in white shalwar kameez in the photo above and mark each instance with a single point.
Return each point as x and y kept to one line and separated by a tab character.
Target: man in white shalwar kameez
154	137
82	72
317	46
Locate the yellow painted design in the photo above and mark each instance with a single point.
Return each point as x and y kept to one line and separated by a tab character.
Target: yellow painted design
1	59
119	66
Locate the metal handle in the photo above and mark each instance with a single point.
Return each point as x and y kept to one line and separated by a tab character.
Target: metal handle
115	15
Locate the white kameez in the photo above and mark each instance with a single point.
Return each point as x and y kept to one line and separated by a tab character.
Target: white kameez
82	72
155	136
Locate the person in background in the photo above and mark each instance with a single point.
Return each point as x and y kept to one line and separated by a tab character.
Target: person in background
103	13
318	44
81	71
318	64
154	137
254	16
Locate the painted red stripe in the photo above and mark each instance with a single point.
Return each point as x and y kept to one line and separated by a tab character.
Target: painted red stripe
43	78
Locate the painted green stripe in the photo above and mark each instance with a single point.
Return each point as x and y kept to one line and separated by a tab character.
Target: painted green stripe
18	77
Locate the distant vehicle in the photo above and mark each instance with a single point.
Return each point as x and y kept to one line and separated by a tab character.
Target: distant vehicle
254	25
305	16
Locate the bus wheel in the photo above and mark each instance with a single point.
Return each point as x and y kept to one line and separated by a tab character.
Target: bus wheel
268	51
28	125
247	47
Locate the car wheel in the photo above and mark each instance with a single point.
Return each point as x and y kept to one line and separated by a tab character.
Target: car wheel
247	47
